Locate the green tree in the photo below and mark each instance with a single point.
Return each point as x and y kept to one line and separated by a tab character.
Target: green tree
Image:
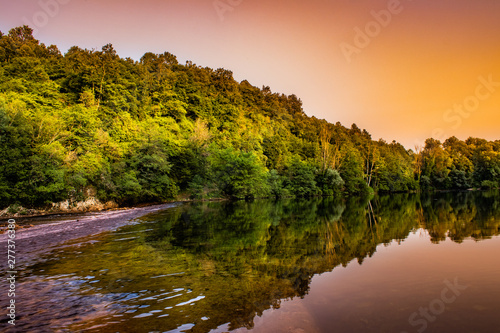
301	178
238	174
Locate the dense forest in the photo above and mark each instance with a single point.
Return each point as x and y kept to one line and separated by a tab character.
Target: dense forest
91	124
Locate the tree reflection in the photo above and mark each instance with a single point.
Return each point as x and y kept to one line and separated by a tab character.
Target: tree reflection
461	215
247	257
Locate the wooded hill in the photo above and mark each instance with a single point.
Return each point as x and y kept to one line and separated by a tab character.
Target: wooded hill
89	123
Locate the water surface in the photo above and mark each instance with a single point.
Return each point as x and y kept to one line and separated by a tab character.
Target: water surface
400	263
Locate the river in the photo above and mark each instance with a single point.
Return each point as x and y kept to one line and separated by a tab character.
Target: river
398	263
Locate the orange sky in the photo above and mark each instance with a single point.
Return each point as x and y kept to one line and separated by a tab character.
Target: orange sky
417	77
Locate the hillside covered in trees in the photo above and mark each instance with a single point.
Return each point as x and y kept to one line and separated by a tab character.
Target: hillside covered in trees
89	123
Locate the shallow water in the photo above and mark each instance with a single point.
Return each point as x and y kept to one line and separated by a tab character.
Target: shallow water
400	263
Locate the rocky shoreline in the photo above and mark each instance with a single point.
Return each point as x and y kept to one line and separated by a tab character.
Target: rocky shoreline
91	204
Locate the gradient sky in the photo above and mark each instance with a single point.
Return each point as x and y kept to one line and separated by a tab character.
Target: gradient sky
418	76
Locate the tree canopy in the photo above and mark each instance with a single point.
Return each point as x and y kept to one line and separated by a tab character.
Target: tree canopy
90	122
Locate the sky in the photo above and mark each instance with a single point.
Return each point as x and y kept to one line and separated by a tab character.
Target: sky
403	70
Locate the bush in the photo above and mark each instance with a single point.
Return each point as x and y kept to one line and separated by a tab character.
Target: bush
459	179
301	179
195	187
200	188
276	185
425	182
13	209
330	182
238	174
489	184
150	169
358	186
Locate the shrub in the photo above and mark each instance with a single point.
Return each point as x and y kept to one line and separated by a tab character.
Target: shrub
330	182
238	174
301	179
489	184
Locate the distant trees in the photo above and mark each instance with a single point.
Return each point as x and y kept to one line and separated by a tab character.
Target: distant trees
457	164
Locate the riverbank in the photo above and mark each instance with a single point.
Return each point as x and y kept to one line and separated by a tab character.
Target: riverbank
91	204
33	242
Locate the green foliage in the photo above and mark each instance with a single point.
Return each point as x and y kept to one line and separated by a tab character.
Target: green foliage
489	184
459	179
351	171
148	130
238	174
13	209
460	164
276	185
330	182
196	187
301	179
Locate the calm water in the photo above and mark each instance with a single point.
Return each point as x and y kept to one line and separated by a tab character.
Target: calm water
400	263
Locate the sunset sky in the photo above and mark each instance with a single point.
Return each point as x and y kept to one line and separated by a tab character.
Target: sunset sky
426	68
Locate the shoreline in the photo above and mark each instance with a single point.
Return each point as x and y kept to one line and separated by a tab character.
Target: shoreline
40	213
71	212
43	214
34	242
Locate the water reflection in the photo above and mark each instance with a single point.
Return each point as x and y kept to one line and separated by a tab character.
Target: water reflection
205	266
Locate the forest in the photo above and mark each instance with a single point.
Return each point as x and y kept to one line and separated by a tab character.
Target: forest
92	124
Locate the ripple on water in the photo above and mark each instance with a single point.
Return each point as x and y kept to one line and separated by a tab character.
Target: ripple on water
166	275
125	239
170	297
191	301
182	328
142	315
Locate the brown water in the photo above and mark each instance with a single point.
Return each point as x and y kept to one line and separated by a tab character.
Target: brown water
401	263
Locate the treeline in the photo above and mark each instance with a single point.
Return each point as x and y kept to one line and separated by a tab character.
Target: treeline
459	165
89	123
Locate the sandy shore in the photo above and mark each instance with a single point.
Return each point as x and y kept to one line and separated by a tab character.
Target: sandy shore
33	242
